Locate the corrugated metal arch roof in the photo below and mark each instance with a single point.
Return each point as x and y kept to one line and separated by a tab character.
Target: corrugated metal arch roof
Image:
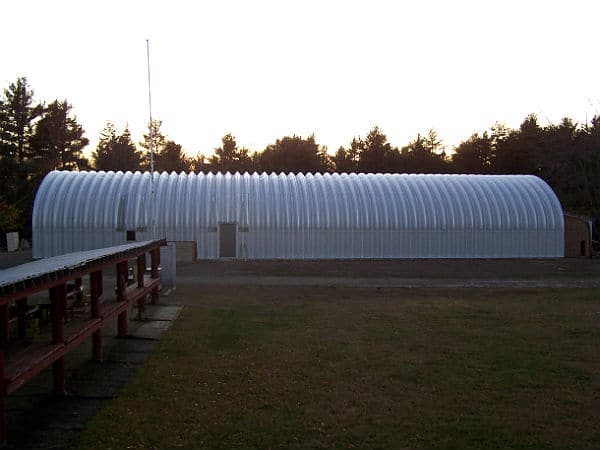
305	215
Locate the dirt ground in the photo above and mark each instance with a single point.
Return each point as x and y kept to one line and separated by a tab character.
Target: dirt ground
555	272
550	272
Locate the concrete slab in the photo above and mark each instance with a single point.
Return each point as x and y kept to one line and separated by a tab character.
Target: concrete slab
156	321
153	330
163	312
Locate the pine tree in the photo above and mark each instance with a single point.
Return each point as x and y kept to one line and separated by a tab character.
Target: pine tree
172	158
58	139
116	152
101	157
294	154
230	158
18	112
154	140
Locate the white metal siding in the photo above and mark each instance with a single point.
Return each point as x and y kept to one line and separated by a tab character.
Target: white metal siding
305	215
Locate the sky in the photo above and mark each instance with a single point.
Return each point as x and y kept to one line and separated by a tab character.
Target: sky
263	69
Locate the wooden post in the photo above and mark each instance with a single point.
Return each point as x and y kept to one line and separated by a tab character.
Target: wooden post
58	297
78	291
4	330
121	286
2	400
4	325
155	255
21	317
58	301
141	268
95	293
64	306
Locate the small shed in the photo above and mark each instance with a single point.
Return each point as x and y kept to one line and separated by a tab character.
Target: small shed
578	236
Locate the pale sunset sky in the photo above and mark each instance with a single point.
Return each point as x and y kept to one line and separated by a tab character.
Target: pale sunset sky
265	69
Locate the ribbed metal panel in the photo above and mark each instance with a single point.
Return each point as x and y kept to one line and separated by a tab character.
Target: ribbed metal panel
304	215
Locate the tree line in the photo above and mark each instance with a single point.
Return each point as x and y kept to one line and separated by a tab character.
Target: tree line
36	138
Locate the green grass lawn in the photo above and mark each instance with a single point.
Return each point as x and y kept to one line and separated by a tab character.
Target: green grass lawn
327	367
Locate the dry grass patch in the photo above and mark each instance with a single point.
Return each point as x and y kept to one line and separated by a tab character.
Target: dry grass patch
367	368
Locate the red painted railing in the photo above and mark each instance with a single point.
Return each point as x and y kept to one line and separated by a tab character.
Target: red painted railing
53	274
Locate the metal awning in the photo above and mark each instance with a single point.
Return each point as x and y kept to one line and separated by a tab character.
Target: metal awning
42	271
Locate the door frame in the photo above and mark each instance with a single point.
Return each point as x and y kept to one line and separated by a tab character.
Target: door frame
235	236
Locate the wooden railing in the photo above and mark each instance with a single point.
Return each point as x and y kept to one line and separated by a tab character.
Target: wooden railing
53	274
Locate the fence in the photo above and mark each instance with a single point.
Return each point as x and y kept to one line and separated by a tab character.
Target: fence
17	366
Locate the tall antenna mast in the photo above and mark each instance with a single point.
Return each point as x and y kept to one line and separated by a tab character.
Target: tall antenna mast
153	193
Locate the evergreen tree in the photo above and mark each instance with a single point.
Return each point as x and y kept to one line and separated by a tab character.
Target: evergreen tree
154	140
419	155
101	157
294	154
116	152
517	151
587	171
343	162
58	140
475	155
199	163
18	111
167	154
9	219
346	160
171	158
434	144
229	158
375	153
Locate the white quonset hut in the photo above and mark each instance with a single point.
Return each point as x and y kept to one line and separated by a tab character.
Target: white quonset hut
302	216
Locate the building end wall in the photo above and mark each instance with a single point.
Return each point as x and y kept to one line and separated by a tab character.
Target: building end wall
577	237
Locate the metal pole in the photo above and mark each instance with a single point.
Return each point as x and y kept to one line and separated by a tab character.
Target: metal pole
152	193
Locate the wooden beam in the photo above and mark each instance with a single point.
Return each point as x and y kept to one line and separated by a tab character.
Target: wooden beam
3	395
21	317
95	294
24	365
141	268
4	331
47	280
78	290
155	255
4	326
58	298
122	268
